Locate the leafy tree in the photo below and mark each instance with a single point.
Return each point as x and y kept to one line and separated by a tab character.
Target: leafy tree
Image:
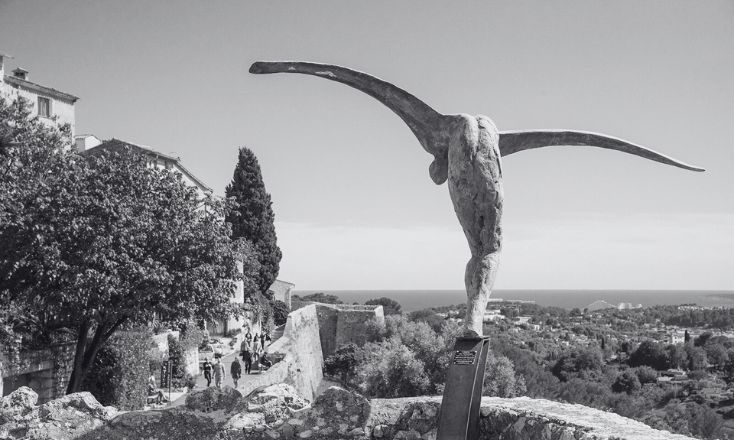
253	218
646	374
701	340
716	354
429	317
320	297
696	358
677	356
587	362
390	369
343	363
500	379
649	353
280	312
626	382
389	306
94	244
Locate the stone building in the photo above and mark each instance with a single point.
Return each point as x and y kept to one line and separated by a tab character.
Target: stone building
281	290
50	105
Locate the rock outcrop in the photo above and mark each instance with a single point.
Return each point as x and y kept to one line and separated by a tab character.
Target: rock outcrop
277	412
69	417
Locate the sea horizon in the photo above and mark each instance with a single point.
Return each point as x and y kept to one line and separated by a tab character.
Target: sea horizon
416	299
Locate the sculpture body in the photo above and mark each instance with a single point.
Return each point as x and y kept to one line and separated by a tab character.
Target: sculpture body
467	152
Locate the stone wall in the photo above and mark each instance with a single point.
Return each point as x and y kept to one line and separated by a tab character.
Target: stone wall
327	328
298	354
47	372
216	414
340	324
350	325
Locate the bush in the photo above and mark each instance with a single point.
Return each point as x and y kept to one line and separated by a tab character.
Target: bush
500	379
627	382
649	353
280	312
390	369
119	375
343	363
646	374
177	362
192	337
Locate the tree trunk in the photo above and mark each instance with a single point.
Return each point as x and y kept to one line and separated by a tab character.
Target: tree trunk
75	381
85	355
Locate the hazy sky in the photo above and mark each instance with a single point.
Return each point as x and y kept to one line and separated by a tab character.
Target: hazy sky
354	204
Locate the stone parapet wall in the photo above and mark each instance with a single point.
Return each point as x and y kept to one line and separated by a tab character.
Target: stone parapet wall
299	353
216	414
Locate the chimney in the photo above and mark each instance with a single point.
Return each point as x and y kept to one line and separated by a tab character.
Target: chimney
20	73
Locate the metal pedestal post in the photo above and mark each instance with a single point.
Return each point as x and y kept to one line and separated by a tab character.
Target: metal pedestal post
462	396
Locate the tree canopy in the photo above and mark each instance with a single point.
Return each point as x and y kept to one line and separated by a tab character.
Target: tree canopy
389	306
95	243
252	216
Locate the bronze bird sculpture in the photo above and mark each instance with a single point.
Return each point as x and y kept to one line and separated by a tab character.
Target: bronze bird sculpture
467	151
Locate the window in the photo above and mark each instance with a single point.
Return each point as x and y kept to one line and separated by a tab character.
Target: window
44	107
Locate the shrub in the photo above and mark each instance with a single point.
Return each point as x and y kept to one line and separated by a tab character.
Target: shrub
343	363
390	369
177	361
280	312
649	353
646	374
500	379
627	382
119	375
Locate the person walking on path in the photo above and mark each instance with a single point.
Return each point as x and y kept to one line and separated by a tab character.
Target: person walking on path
256	349
208	372
248	336
247	357
262	340
219	373
244	347
235	371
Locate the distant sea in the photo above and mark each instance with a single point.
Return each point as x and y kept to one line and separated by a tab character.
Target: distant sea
420	299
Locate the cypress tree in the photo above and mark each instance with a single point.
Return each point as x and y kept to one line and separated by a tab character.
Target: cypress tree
253	218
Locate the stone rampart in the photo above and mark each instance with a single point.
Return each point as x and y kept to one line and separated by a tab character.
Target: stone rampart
298	354
350	323
340	324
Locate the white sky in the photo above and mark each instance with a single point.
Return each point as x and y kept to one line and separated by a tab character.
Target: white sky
355	207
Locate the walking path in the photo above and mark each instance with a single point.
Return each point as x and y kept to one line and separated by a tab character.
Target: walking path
227	361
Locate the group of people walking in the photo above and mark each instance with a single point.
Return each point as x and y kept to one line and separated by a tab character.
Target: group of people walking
252	350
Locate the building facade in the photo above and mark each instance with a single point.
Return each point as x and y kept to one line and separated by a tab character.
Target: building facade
50	105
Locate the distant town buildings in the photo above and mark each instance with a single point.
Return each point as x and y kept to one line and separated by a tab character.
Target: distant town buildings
50	105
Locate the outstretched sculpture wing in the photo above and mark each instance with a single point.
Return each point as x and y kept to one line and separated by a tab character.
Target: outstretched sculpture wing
426	123
514	141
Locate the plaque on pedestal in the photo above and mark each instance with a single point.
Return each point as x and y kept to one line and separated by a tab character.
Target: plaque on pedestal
459	415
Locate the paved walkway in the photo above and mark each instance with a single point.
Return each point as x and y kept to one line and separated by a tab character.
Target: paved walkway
227	361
